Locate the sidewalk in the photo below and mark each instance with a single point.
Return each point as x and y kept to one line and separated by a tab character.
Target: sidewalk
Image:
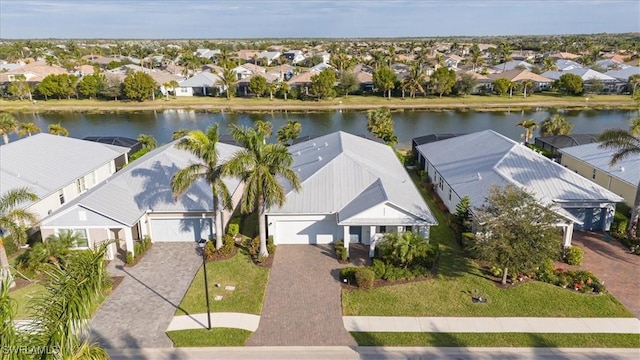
491	324
218	319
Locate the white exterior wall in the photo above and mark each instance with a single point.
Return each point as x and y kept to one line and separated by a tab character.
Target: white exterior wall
183	91
381	211
274	220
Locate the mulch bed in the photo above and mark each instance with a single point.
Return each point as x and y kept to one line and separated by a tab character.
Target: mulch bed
267	263
218	257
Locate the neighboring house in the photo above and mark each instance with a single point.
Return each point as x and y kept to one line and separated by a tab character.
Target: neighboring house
133	145
202	84
138	202
554	143
159	76
426	139
564	55
353	189
511	65
592	162
470	165
302	81
365	80
623	75
57	168
609	83
284	72
452	61
242	86
268	57
248	69
564	65
319	67
518	76
207	53
611	64
483	83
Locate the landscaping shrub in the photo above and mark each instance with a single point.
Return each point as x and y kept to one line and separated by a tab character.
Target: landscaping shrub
210	249
129	258
253	245
364	277
497	271
393	273
271	246
577	280
378	268
348	274
468	240
402	249
574	255
234	228
341	251
619	225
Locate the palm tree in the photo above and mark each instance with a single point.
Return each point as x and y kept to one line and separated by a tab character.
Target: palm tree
264	127
284	89
634	81
504	52
261	167
57	129
549	64
627	145
179	134
414	80
527	87
8	125
170	86
289	132
209	168
555	125
28	129
229	79
529	127
14	223
476	56
147	141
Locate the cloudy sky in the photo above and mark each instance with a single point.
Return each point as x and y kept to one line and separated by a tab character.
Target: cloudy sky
310	18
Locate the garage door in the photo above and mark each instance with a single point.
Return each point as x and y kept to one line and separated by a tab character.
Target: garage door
306	232
177	230
593	218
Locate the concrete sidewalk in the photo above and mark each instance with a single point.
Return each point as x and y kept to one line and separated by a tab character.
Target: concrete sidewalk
491	324
218	319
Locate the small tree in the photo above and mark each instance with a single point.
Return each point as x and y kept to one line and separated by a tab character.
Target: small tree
443	80
501	86
571	84
384	79
401	249
517	232
380	124
322	84
347	83
8	125
463	214
92	85
58	129
139	86
555	124
147	141
258	85
466	84
289	132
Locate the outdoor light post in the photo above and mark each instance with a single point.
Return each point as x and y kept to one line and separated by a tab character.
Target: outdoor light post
202	244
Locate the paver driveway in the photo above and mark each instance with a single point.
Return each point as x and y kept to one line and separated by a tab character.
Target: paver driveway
302	305
614	264
138	312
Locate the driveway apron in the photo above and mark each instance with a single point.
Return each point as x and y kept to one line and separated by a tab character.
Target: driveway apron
138	312
303	303
614	264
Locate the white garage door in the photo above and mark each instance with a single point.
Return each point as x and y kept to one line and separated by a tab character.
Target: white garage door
306	232
177	230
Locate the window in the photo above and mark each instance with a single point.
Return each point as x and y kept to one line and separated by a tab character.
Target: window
449	194
408	229
61	196
81	186
80	239
593	174
382	229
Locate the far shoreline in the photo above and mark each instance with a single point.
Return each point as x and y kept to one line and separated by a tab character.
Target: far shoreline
358	103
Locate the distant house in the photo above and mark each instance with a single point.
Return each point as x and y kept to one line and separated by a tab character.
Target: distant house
592	162
564	65
511	65
470	165
202	84
242	86
609	83
295	56
452	61
248	69
611	64
623	75
319	67
133	145
301	81
57	168
563	55
518	76
207	53
554	143
269	57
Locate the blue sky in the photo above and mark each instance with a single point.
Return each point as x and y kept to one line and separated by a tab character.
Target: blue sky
310	18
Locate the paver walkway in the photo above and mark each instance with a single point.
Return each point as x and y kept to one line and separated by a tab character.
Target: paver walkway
492	325
218	319
614	264
302	305
138	312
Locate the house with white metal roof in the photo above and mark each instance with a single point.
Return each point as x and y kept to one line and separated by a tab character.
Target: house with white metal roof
138	201
470	165
592	162
202	84
353	189
57	168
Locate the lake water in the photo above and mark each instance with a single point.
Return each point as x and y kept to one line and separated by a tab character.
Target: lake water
408	124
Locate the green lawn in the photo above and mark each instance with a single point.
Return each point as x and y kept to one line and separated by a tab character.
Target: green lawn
449	294
22	297
213	337
498	340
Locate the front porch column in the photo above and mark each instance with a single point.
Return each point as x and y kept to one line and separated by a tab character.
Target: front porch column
128	240
346	237
372	241
567	235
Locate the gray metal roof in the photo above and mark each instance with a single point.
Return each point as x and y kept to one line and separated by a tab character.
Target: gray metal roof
46	163
203	79
347	174
145	186
627	170
624	74
584	73
471	164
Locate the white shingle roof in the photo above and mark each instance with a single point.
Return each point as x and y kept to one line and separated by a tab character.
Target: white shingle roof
627	170
471	164
145	185
46	163
346	174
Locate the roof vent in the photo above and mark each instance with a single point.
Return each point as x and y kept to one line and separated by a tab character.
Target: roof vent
298	153
326	144
299	169
479	177
313	144
622	168
319	158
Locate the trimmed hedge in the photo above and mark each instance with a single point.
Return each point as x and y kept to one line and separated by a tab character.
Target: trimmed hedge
574	255
341	251
364	278
349	274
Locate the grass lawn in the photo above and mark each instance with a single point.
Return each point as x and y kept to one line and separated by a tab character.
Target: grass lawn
497	340
449	294
213	337
22	297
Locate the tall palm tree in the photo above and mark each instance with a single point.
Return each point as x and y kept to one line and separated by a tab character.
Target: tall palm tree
264	127
147	141
527	87
555	125
209	168
415	80
529	127
504	52
14	223
8	125
627	145
57	129
229	79
549	64
289	132
179	133
476	56
261	166
28	129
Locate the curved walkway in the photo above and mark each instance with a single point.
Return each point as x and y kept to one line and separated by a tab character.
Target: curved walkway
218	320
492	325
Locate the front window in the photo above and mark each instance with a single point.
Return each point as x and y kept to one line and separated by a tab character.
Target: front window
408	229
61	196
383	229
81	185
80	239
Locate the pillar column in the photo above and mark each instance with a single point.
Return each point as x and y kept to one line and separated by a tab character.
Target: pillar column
128	240
346	237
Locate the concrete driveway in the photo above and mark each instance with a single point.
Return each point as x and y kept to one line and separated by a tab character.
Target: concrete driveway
138	312
303	304
614	264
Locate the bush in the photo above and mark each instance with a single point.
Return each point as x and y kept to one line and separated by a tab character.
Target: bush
378	268
234	228
395	273
271	246
574	255
210	249
341	251
348	274
364	277
129	258
619	225
468	240
497	271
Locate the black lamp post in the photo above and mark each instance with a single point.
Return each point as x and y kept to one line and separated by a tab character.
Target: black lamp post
202	244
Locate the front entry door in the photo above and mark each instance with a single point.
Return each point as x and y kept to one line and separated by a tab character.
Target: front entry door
355	234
